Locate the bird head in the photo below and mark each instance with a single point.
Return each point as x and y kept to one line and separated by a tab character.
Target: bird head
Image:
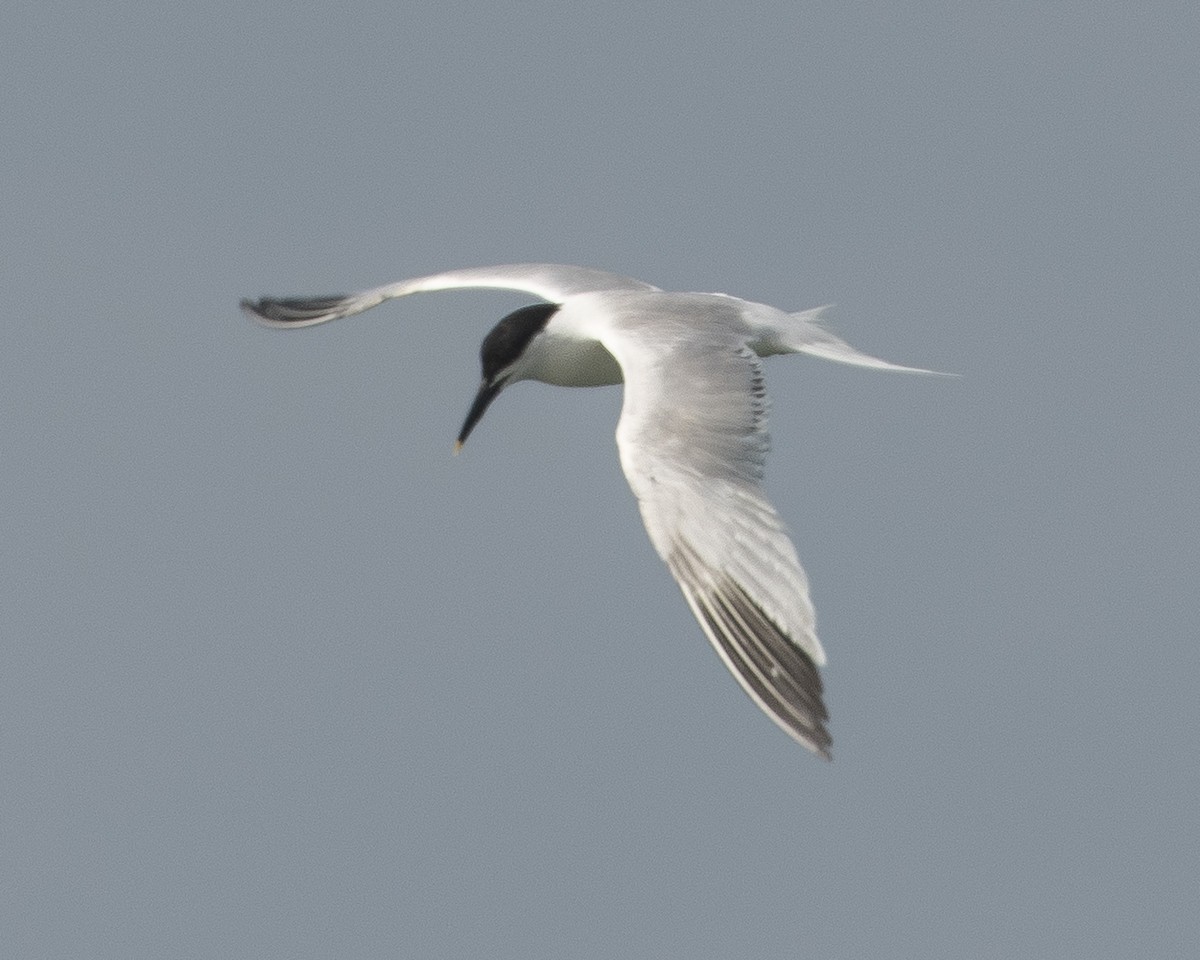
503	357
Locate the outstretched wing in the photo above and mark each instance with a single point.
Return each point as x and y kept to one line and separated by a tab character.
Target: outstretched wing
549	281
693	443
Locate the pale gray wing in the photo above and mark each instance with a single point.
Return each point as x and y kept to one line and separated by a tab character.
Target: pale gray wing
549	281
693	443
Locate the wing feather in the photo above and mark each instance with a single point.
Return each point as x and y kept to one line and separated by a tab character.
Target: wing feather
549	281
693	443
780	677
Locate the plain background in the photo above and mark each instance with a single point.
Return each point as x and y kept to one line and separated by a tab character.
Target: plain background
283	679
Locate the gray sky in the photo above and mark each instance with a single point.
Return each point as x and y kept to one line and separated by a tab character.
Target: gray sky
284	679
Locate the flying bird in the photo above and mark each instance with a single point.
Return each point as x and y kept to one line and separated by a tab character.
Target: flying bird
692	441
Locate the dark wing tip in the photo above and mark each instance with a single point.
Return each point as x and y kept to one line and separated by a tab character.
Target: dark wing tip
294	311
781	677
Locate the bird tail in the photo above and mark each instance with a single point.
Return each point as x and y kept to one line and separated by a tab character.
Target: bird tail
805	333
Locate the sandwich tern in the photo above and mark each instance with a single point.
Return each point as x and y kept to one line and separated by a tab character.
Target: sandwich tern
691	438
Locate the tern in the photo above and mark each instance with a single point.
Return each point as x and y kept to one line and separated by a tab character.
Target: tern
691	438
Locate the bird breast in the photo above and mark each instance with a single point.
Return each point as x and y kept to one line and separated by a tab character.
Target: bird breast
571	361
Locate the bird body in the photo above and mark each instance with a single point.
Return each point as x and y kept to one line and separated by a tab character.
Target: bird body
692	442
